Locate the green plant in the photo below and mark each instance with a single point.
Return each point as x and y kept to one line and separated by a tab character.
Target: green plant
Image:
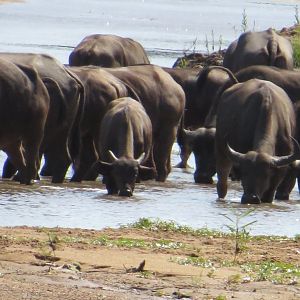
183	62
244	25
296	47
239	231
52	242
206	44
297	21
234	279
274	271
220	43
220	297
211	45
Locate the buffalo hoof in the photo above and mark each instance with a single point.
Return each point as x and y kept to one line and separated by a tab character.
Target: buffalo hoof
250	199
183	165
282	196
203	179
57	180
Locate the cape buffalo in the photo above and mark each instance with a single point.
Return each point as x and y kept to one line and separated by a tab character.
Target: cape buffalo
108	50
259	48
163	100
256	119
125	142
100	89
66	100
24	105
200	88
289	80
211	82
195	110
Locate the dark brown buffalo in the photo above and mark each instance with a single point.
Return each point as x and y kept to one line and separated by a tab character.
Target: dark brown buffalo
210	83
124	143
100	89
163	100
66	100
259	48
24	105
256	119
108	50
289	80
195	110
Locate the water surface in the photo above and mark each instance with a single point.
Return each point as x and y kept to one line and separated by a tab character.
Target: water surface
166	29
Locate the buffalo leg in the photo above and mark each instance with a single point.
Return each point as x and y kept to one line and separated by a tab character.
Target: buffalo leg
223	168
285	187
32	158
87	157
56	166
268	196
162	152
185	152
15	156
9	170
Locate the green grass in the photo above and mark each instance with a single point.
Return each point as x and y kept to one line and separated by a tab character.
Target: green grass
171	226
274	271
296	47
125	242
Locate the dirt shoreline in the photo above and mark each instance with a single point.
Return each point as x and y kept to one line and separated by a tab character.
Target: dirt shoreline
104	265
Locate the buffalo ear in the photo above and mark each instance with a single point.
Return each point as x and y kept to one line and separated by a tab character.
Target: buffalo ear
101	167
146	173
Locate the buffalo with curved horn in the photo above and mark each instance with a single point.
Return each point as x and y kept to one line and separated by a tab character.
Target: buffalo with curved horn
125	133
257	119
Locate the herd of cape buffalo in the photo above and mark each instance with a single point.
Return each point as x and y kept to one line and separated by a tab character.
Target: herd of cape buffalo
110	112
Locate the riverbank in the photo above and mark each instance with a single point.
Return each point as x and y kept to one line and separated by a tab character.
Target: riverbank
10	1
179	263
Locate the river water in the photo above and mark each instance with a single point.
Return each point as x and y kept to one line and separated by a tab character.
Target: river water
166	29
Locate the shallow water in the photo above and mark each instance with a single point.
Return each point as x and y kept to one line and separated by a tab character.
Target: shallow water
87	205
165	29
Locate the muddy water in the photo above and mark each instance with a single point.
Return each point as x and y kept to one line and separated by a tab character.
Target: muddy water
165	29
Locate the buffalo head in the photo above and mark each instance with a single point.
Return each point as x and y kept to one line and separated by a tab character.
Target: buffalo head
259	171
201	142
122	173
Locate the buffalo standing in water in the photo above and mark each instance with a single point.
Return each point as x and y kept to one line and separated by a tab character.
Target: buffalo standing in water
125	142
256	118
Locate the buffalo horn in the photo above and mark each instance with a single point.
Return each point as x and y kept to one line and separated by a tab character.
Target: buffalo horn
112	155
235	156
141	157
286	160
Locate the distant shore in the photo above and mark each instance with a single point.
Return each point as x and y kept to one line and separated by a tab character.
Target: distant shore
10	1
